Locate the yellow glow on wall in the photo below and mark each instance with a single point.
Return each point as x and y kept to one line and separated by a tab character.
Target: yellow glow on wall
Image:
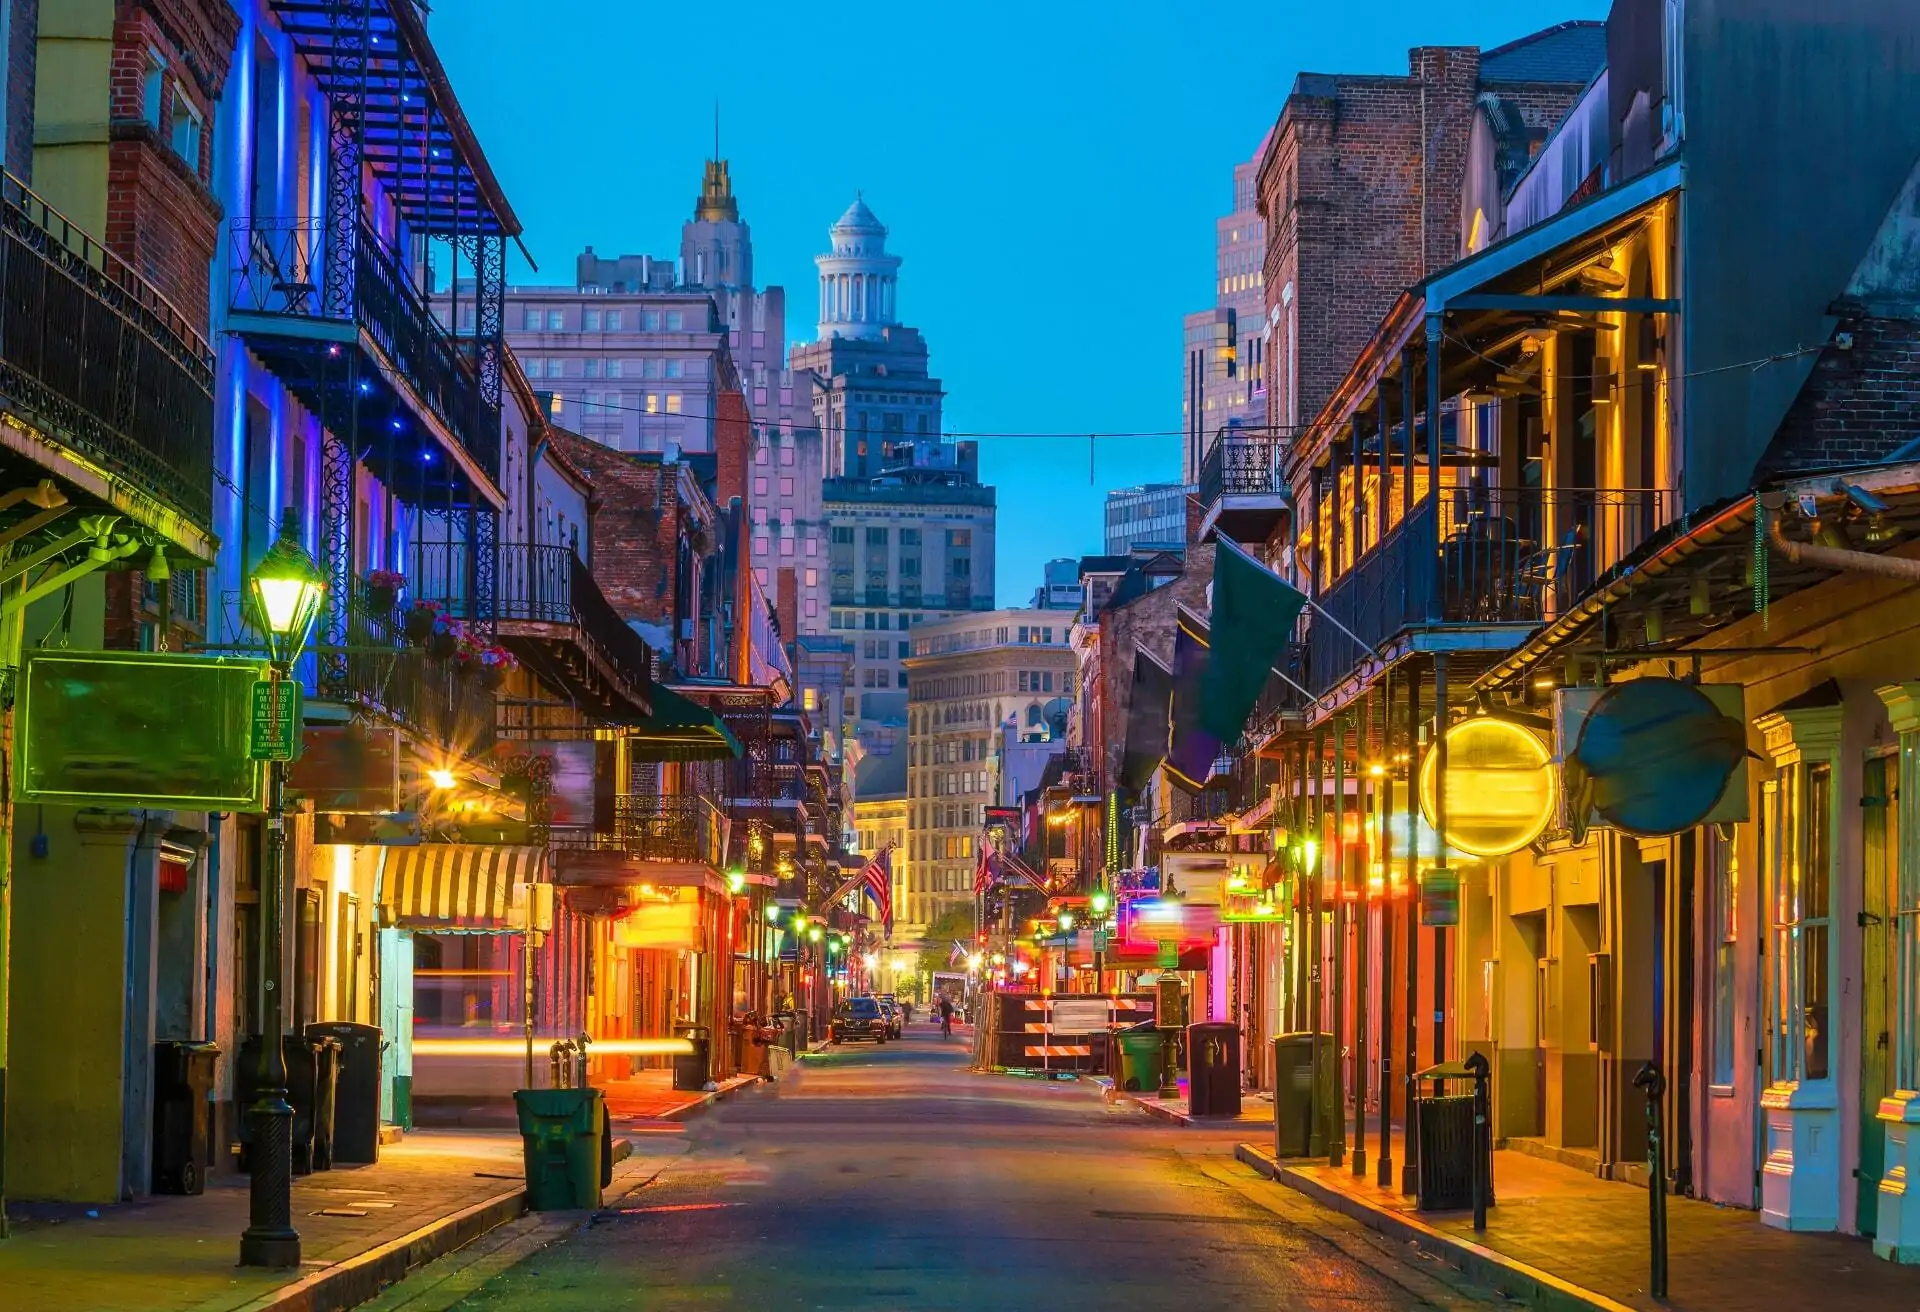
1501	787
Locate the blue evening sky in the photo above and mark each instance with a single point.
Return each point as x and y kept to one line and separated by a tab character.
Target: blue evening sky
1050	174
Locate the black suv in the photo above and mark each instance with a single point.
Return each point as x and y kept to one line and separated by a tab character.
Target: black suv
858	1018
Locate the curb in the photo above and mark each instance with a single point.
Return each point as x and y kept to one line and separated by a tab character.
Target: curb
1508	1276
354	1281
709	1099
1165	1111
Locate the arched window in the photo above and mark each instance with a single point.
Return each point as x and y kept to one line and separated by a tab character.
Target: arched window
1033	716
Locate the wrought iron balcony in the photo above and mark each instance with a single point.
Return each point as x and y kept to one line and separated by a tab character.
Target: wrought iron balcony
1242	493
381	672
1478	557
544	605
278	285
683	829
99	362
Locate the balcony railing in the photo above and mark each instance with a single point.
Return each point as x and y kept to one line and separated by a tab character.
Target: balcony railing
534	583
277	267
99	361
681	828
1499	557
379	671
1241	466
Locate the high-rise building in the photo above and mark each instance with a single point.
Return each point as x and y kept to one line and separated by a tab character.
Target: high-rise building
1224	368
637	352
909	527
1152	514
871	389
1059	586
969	677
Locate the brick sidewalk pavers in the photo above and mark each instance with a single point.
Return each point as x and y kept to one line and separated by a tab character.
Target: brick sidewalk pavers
1590	1235
173	1254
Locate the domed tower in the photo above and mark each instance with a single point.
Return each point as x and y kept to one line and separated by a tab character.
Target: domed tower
857	277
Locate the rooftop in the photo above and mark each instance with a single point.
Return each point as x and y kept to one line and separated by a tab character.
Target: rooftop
1567	52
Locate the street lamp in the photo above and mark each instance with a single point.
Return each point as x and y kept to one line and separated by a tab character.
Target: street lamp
288	590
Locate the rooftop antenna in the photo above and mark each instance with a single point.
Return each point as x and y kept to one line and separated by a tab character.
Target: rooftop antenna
716	127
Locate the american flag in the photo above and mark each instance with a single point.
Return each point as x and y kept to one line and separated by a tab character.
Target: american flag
877	880
983	868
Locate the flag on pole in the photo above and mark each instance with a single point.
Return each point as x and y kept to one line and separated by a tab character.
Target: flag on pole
877	882
983	865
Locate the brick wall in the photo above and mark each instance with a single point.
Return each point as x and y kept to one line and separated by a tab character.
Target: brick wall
1859	404
1360	189
636	527
162	217
1148	620
732	445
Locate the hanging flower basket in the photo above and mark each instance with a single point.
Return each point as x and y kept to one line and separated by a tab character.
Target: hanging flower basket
443	643
421	619
496	663
383	590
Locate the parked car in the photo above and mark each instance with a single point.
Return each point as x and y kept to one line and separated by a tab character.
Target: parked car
896	1019
858	1018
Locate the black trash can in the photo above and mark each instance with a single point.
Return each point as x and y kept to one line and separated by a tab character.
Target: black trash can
1213	1068
691	1069
182	1079
301	1075
1445	1127
326	1084
356	1095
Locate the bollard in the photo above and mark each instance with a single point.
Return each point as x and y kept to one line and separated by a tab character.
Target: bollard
1655	1086
1476	1065
580	1058
559	1064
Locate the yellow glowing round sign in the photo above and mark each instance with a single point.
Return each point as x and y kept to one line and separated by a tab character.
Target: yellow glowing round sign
1501	787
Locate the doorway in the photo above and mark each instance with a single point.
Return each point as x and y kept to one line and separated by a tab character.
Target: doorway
1880	843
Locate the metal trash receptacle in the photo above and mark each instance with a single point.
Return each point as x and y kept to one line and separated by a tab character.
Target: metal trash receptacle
1293	1095
356	1094
563	1133
182	1079
1213	1068
1142	1057
301	1075
1445	1128
692	1070
326	1084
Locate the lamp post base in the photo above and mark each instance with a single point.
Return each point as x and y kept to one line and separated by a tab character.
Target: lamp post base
270	1239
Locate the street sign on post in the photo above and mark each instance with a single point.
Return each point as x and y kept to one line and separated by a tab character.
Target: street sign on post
1440	897
275	725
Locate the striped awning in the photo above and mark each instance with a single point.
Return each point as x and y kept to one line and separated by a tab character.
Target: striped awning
455	886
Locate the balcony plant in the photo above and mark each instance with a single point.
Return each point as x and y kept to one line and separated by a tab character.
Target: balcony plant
419	621
383	590
468	649
496	663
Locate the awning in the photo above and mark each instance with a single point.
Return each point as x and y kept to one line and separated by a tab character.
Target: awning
680	729
455	887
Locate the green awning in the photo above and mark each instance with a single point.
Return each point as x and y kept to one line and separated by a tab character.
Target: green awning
681	729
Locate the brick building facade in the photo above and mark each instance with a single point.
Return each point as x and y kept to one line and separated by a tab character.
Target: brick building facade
1359	186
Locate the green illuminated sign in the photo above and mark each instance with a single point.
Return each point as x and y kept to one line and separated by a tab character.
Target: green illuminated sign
125	728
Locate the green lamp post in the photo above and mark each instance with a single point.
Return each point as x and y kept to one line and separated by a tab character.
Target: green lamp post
287	591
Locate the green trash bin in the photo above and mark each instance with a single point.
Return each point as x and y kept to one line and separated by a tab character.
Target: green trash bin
1142	1059
1294	1132
562	1138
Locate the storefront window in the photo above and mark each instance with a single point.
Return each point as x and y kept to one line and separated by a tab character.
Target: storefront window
1801	863
1726	894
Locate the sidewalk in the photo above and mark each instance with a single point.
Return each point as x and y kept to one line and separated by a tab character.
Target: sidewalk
650	1096
1559	1237
434	1190
1256	1109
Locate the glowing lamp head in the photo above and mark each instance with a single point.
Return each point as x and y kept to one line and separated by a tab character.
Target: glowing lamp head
773	913
813	933
1099	902
1065	920
736	880
288	591
442	778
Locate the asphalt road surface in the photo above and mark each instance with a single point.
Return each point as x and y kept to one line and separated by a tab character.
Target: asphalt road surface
893	1177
